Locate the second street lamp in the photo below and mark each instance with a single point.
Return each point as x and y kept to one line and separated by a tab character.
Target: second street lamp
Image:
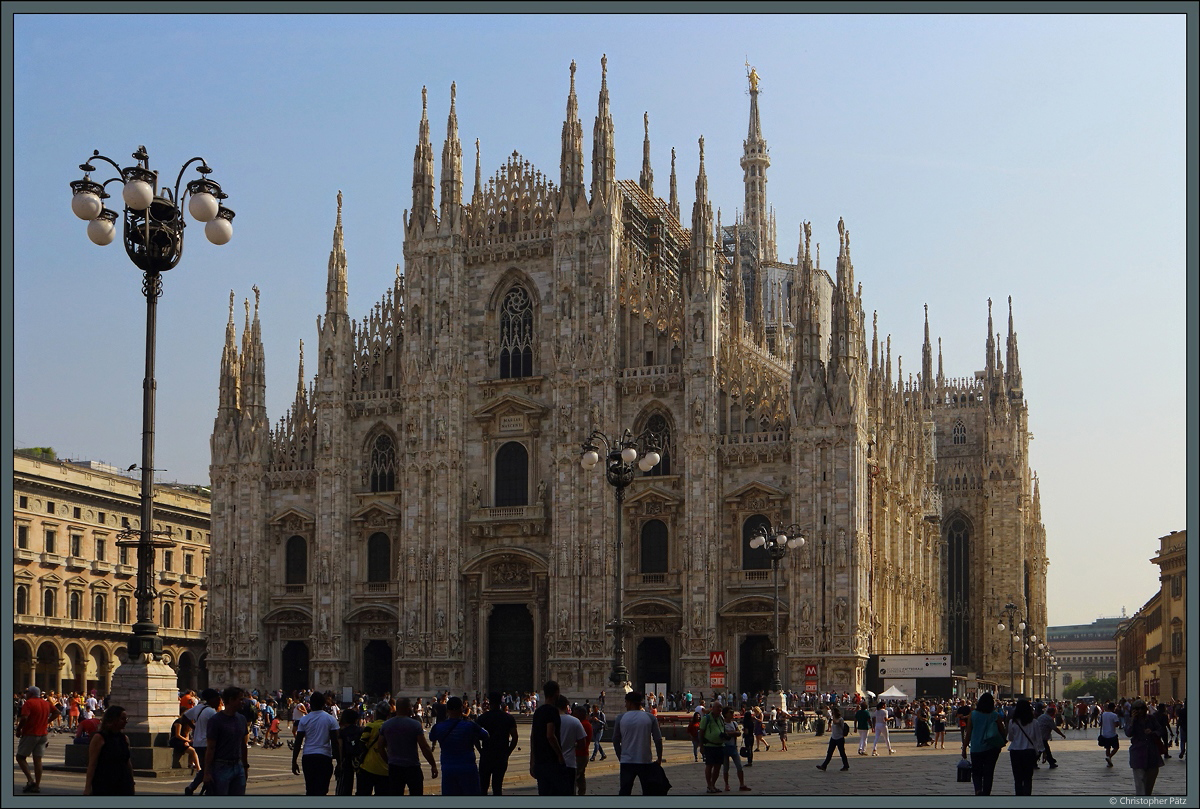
776	541
1009	610
620	456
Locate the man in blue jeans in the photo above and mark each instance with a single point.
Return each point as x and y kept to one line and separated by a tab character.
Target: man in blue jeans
226	758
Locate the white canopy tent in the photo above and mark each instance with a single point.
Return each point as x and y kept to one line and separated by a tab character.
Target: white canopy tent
893	693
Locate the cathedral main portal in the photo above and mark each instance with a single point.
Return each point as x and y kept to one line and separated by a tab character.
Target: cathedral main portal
510	649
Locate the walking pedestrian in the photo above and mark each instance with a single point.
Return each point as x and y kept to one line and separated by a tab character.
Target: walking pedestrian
1023	746
1048	726
712	744
499	745
1144	758
546	760
837	740
33	730
862	722
315	733
110	770
881	720
1110	721
373	772
599	723
693	732
349	747
570	733
634	733
732	733
399	740
199	715
459	738
226	757
986	732
581	748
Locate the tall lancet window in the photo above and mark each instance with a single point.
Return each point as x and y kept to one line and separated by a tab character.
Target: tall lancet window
516	334
383	465
658	426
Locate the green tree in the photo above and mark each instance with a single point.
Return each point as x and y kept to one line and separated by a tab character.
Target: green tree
1103	690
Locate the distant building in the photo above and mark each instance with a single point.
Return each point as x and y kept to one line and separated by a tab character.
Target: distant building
1151	658
73	587
1084	651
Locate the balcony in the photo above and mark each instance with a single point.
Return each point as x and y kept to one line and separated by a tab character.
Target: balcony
289	590
101	567
189	580
51	559
167	577
377	588
508	521
77	563
23	555
125	571
756	575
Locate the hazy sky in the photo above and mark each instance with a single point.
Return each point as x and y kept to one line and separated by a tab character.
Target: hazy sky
1041	157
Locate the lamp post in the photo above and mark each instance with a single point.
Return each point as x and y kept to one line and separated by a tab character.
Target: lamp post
153	236
777	541
619	458
1009	610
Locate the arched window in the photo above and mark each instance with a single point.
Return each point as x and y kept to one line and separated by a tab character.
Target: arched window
123	610
379	558
654	547
100	609
661	429
188	614
296	561
512	475
383	464
49	597
754	558
168	614
22	600
516	334
959	568
959	433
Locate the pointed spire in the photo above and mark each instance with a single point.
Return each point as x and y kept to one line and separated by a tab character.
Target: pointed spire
875	340
755	161
603	150
571	163
1013	358
230	385
423	168
336	295
927	363
300	374
646	180
674	203
702	234
941	377
452	169
477	194
991	344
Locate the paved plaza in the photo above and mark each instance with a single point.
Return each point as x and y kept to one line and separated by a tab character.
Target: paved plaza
911	771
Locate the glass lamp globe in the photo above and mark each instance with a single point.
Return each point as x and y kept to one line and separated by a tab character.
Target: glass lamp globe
1021	625
757	542
1000	626
138	194
101	231
644	464
87	206
654	458
629	455
203	206
219	230
590	459
782	539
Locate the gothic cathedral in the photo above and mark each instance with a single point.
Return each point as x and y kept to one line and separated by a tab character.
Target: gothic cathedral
419	518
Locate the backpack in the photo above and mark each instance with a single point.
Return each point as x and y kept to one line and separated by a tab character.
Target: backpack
712	730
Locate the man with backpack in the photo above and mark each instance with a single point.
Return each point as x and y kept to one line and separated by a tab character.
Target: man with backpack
712	743
372	767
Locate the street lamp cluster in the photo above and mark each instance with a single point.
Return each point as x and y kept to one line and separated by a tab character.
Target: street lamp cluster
620	454
153	235
776	541
1025	640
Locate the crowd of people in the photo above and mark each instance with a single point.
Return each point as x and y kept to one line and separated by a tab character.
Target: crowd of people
375	744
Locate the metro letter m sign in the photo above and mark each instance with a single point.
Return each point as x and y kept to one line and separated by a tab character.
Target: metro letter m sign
716	660
810	669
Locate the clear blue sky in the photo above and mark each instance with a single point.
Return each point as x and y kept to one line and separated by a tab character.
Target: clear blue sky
1041	157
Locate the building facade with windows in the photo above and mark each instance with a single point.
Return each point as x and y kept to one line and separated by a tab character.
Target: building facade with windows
423	509
1084	651
73	586
1151	646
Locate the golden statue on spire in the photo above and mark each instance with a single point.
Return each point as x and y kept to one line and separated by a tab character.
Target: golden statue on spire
752	74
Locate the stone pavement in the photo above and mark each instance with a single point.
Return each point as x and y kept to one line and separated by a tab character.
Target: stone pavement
911	771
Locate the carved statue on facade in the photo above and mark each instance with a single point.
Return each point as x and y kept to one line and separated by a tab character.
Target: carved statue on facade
475	495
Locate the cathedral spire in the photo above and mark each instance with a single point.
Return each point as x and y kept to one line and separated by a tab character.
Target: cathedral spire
646	180
477	194
336	295
603	150
423	168
991	345
702	234
300	375
230	369
452	168
571	163
1013	360
927	363
755	161
253	372
941	377
875	340
674	203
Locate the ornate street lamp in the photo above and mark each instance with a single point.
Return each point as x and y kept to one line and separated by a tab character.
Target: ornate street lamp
777	541
619	458
153	235
1010	610
154	242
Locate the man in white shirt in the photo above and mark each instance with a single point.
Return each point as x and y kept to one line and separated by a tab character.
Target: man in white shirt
315	734
570	733
631	743
1109	723
198	715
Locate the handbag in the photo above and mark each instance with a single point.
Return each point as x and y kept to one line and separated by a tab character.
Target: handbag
1162	746
655	782
963	771
992	737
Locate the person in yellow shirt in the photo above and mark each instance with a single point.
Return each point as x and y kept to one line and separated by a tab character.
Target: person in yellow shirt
373	772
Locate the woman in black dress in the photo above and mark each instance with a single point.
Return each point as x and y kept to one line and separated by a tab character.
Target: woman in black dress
110	772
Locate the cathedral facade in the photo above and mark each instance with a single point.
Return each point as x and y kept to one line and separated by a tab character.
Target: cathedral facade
424	513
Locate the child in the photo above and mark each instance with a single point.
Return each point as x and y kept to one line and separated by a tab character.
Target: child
181	742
